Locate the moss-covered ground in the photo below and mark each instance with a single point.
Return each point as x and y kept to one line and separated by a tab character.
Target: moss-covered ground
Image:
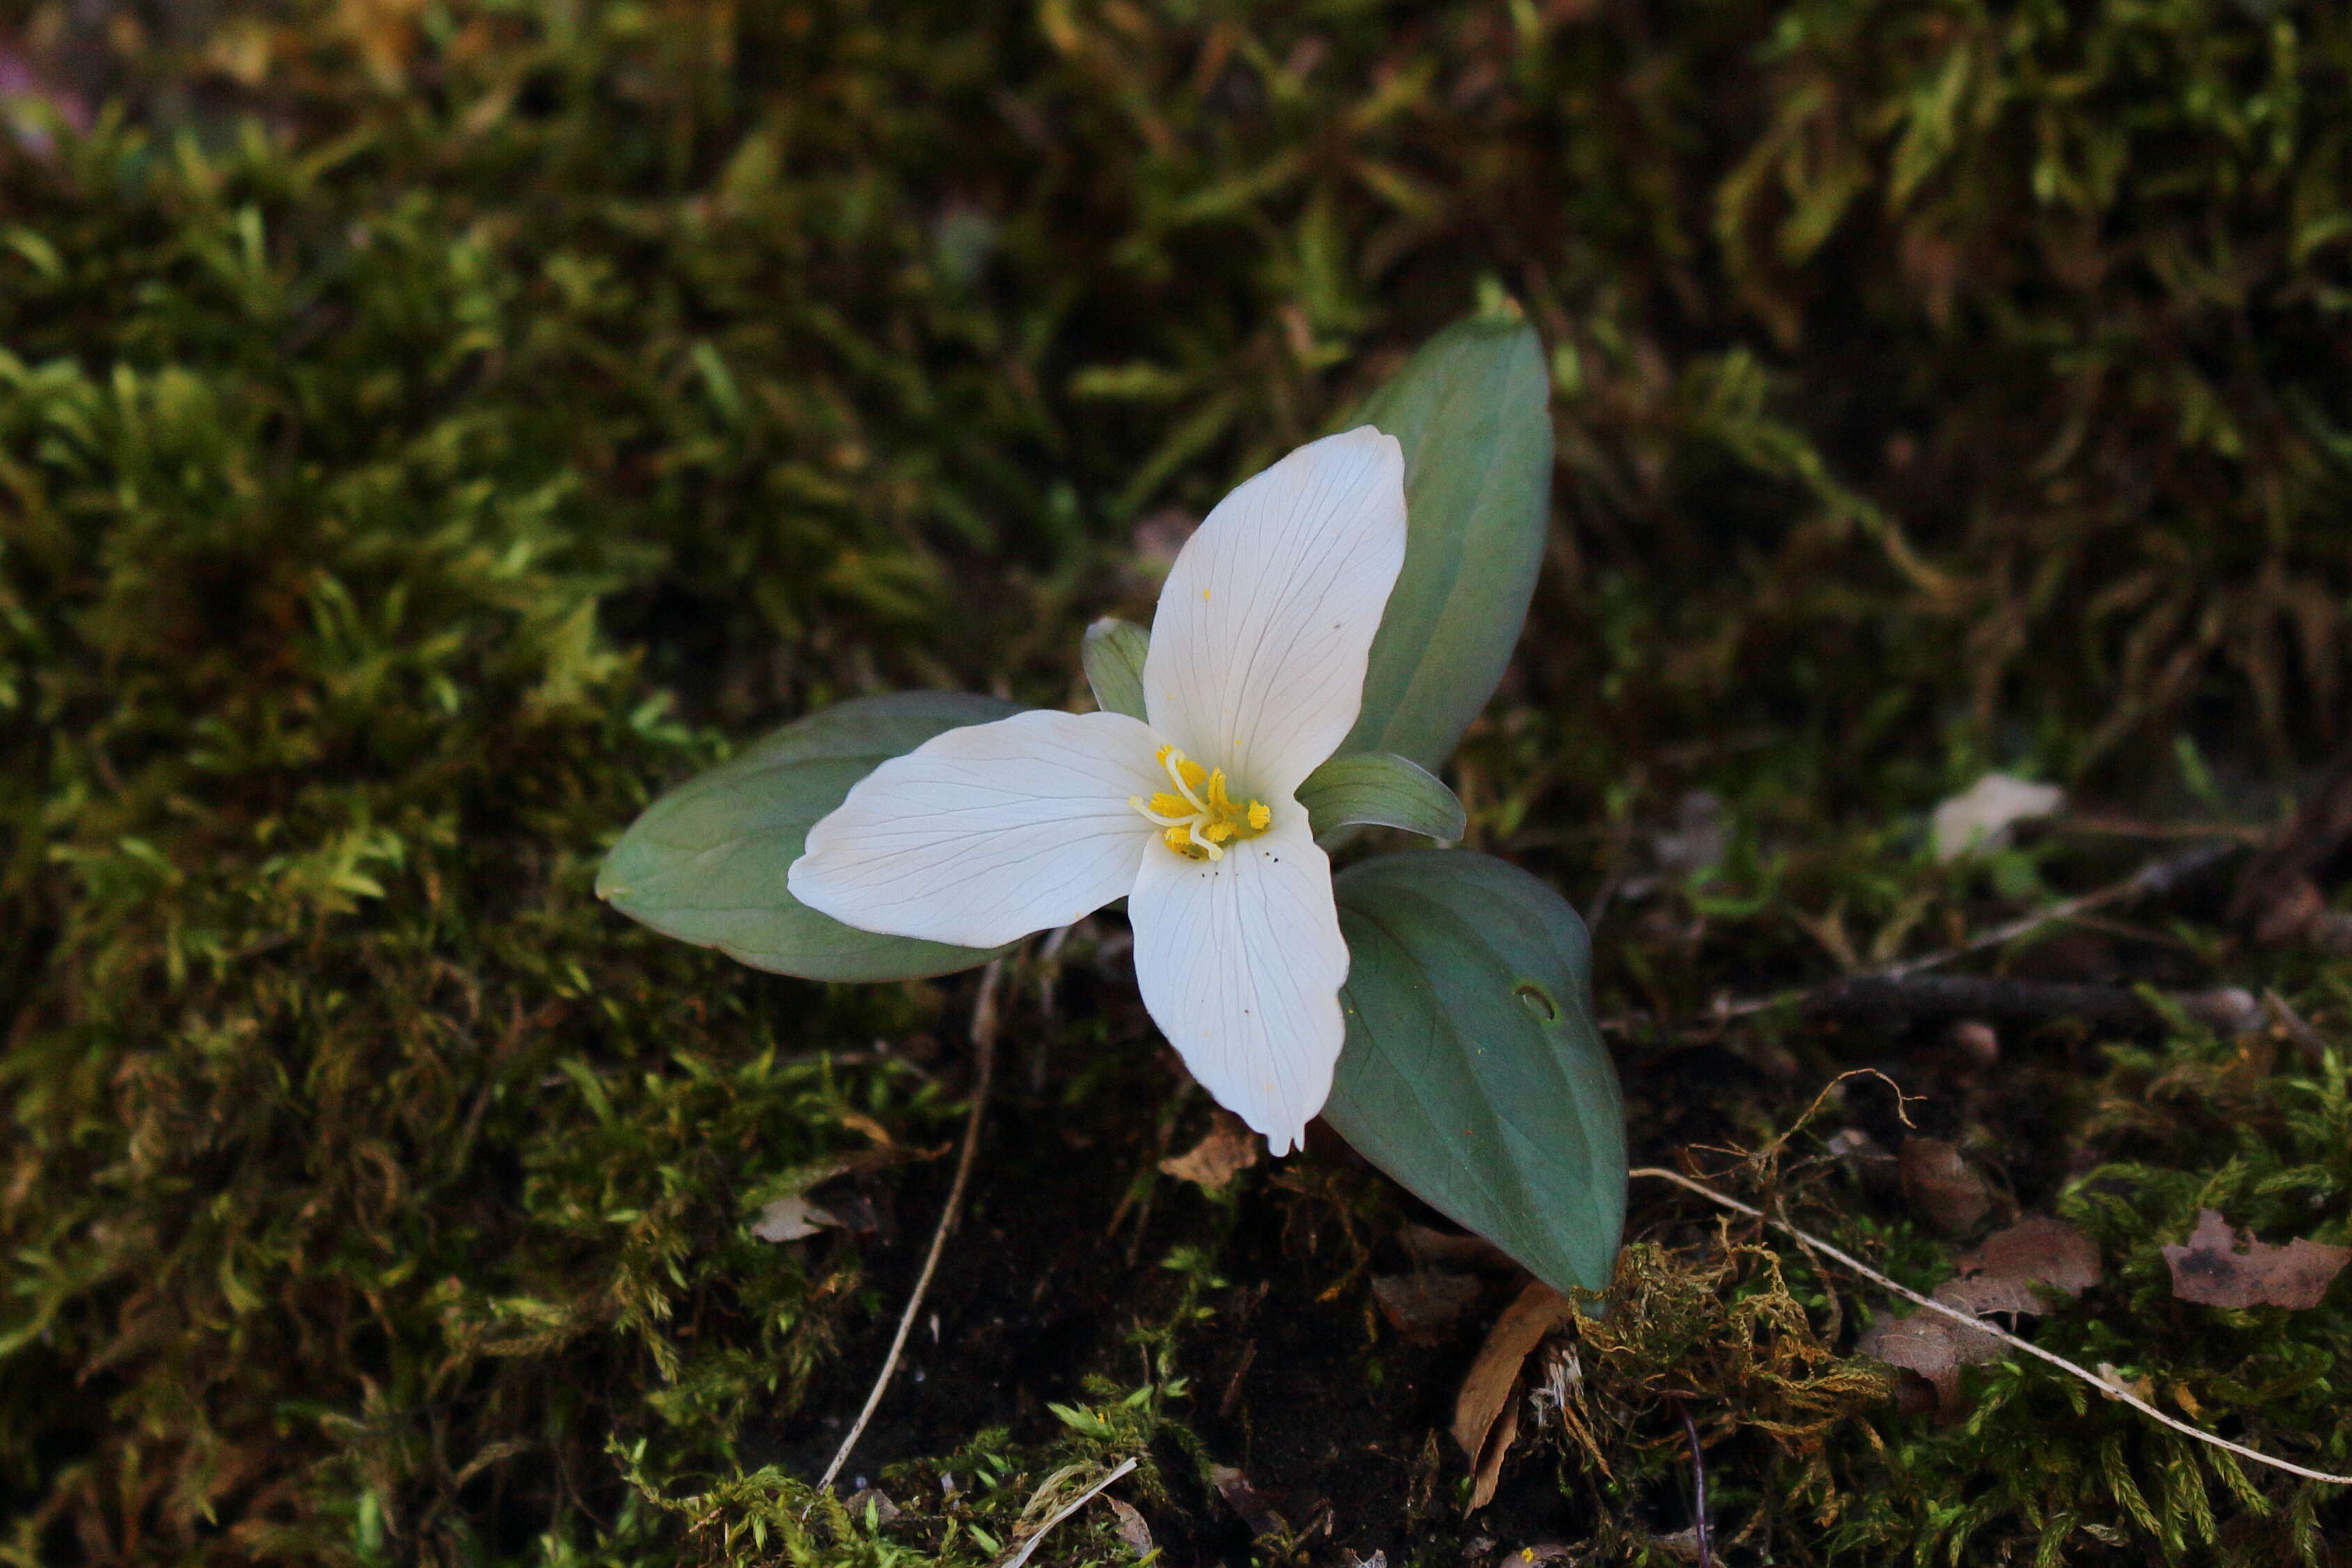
429	428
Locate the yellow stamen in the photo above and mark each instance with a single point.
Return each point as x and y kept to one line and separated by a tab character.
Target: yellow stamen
1200	816
1184	773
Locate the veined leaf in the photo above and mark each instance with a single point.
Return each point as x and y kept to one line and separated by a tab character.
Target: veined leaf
705	862
1379	788
1113	655
1471	410
1473	1073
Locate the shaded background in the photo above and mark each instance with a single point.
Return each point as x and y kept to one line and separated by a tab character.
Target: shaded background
429	429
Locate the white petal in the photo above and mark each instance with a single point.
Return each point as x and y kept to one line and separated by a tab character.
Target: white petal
1241	962
1267	620
984	834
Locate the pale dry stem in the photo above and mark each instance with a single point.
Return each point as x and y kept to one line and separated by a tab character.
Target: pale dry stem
983	1041
1971	1321
1076	1503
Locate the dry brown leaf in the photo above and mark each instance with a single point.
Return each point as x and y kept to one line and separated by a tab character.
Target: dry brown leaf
2039	1251
2219	1266
1425	1309
1538	1310
1249	1504
1486	1474
1230	1149
1430	1248
1988	1293
1944	1187
1132	1530
1930	1345
2142	1388
1486	1413
2009	1273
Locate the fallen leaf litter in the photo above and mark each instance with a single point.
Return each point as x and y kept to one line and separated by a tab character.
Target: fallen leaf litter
2219	1266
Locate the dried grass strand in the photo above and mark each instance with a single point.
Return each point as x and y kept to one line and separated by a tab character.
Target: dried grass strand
983	1043
1076	1503
1971	1321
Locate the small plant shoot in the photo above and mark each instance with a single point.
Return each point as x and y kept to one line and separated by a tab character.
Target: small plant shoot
1322	641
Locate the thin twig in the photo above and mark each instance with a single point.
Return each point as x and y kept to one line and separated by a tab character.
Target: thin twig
983	1043
1698	1489
1970	1320
1912	998
2156	876
1075	1504
2131	828
1049	975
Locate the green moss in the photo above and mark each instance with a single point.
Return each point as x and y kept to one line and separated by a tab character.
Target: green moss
427	430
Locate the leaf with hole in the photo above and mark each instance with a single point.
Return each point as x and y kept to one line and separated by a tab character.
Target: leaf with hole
705	862
1473	1072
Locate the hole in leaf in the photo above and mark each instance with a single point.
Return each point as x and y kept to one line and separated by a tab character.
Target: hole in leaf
1537	1000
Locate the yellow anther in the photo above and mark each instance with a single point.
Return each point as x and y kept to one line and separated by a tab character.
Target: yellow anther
1200	816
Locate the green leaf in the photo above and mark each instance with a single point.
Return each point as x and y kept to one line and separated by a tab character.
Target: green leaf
705	862
1473	1073
1380	787
1113	654
1472	411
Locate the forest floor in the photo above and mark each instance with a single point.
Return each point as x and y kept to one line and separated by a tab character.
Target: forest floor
430	429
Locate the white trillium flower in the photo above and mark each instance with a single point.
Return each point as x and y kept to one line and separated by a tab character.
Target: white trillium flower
984	835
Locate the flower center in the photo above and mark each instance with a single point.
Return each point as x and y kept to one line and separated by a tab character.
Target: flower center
1199	816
